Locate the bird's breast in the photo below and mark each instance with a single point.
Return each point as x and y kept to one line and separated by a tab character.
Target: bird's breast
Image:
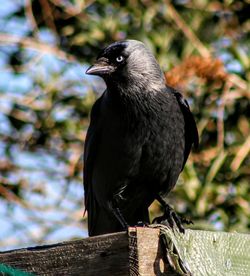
139	144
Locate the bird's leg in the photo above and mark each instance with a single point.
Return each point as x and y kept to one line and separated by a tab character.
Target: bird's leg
120	218
170	217
113	205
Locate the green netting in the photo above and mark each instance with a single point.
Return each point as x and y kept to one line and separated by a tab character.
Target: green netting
10	271
207	253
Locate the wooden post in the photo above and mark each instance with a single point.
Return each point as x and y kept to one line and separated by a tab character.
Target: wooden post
101	255
137	252
146	255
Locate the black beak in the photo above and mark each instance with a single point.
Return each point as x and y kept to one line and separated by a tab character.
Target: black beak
100	67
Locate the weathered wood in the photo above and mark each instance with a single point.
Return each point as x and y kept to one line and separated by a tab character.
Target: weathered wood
146	253
137	252
101	255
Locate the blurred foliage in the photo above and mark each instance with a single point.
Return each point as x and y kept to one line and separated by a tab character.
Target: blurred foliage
203	46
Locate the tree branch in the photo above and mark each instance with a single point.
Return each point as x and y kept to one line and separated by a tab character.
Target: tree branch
35	45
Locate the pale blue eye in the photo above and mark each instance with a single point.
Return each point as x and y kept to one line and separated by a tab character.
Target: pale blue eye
119	58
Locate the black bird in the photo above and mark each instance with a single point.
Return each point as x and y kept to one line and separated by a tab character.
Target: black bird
140	135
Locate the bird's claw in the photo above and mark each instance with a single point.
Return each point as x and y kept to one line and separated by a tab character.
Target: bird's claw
186	221
171	219
142	224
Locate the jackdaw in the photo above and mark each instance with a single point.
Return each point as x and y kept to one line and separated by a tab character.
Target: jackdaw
140	135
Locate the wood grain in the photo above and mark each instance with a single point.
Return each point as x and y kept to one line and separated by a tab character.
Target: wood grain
148	255
101	255
137	252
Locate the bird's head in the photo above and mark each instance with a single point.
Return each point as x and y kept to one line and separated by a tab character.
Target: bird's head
127	63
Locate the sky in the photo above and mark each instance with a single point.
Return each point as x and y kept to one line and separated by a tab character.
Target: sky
49	217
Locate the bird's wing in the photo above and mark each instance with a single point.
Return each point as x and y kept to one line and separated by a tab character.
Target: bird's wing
109	161
191	132
90	146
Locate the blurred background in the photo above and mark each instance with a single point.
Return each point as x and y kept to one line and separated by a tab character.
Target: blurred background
45	99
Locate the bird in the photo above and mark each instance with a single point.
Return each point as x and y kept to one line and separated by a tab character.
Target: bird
140	135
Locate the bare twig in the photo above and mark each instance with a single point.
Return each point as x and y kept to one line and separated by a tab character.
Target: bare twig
35	45
72	10
237	81
220	112
48	15
30	16
187	30
241	154
10	196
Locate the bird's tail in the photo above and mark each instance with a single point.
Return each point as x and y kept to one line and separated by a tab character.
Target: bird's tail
101	221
